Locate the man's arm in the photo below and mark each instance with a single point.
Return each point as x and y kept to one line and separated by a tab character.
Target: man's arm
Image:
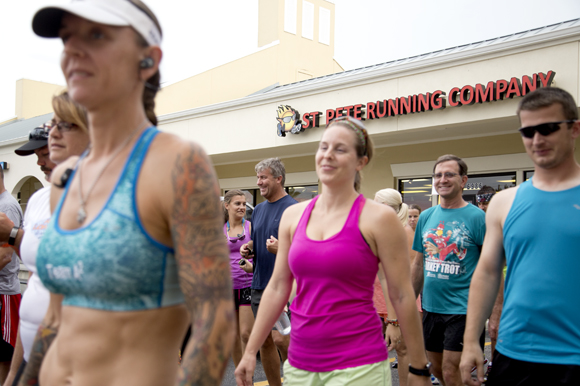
5	256
17	358
496	313
6	225
483	291
204	272
417	273
44	338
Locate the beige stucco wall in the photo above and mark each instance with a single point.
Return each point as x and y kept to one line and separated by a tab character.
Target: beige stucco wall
246	129
21	168
284	58
34	98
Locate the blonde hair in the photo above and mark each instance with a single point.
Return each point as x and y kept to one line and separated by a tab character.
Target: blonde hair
393	199
70	111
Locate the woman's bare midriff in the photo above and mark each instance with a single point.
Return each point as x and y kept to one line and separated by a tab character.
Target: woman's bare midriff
95	348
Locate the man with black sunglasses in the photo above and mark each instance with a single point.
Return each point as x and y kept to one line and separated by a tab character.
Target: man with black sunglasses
535	227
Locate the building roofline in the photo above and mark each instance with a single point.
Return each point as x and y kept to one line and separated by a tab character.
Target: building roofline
548	35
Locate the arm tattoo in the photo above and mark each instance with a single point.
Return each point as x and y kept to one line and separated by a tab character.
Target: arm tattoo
42	342
204	270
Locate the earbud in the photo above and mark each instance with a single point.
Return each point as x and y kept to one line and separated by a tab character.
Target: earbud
146	63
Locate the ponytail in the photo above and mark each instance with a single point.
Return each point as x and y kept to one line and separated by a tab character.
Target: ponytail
152	85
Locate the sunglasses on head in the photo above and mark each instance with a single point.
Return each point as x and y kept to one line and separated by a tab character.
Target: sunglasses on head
39	133
543	128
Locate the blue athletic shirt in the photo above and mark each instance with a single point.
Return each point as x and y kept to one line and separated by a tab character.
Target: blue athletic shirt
265	222
450	241
112	263
540	321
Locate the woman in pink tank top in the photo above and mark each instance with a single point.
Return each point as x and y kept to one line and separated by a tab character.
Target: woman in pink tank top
332	246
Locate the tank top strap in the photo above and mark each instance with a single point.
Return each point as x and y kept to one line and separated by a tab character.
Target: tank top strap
353	217
123	200
247	227
301	227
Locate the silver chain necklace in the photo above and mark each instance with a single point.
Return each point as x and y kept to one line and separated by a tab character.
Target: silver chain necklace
82	213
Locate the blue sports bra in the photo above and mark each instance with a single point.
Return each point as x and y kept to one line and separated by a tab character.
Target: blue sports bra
112	263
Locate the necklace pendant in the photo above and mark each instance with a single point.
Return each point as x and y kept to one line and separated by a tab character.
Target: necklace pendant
81	215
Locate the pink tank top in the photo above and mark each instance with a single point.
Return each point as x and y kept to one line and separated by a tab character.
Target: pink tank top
334	323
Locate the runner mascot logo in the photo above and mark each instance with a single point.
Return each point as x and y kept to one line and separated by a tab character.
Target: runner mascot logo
288	121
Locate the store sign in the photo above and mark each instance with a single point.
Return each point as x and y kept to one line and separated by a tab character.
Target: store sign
288	121
289	118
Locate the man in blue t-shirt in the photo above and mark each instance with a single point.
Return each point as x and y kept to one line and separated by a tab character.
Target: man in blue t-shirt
264	246
447	240
535	228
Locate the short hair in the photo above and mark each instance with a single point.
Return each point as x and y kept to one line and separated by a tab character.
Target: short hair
228	198
416	207
1	174
393	199
70	111
547	96
485	189
451	157
276	167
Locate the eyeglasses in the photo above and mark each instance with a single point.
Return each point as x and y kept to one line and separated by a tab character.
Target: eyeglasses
447	175
39	133
544	129
63	126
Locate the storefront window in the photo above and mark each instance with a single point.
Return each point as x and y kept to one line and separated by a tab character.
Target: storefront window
416	191
302	193
528	174
498	181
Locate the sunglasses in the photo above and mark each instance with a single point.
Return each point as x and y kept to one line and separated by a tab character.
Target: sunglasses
239	236
544	129
483	198
39	133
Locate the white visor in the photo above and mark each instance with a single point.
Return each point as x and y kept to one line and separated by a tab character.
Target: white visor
122	13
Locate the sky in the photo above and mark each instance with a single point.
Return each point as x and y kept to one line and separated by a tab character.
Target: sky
200	35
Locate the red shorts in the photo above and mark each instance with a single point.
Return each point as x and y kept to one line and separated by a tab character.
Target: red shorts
9	317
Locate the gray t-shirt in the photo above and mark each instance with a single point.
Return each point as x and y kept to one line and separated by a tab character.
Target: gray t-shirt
9	283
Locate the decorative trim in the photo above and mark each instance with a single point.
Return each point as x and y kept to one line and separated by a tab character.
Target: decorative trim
370	76
301	178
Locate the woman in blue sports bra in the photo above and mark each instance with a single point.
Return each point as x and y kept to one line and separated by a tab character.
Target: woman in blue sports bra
134	251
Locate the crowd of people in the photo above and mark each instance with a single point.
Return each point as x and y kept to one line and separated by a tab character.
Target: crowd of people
123	259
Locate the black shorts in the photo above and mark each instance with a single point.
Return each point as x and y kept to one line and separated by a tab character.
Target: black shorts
6	351
512	372
445	332
242	297
256	298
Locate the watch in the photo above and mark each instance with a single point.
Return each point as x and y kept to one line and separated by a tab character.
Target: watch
13	234
422	372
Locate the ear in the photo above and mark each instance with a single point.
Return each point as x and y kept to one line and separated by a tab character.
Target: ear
463	181
575	129
362	162
155	53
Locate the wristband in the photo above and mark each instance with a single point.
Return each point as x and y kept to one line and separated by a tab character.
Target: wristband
424	372
394	322
13	234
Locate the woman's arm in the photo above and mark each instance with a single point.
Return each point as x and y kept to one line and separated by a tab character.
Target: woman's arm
393	332
274	299
44	338
392	249
196	223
